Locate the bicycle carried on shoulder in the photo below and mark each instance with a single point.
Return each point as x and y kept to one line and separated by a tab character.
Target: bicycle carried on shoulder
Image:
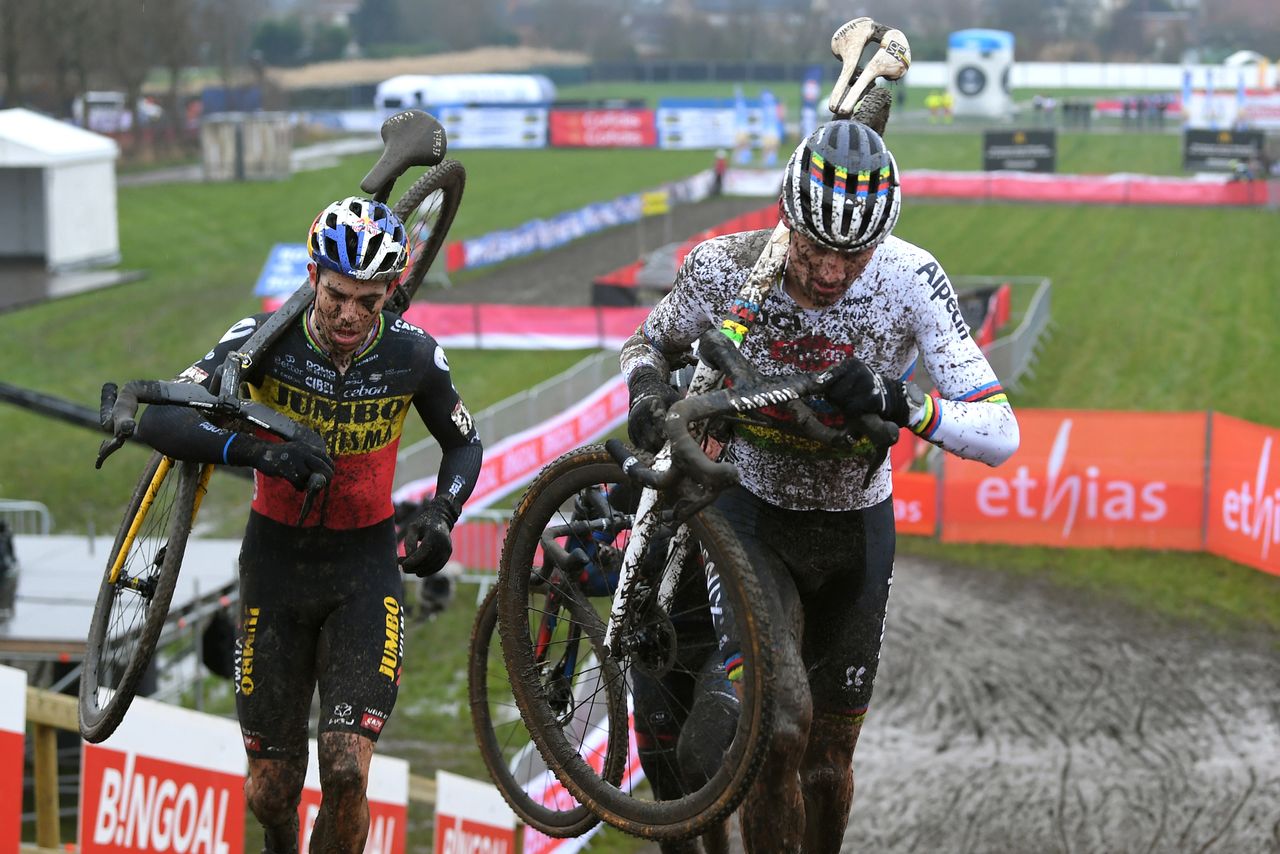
673	531
142	567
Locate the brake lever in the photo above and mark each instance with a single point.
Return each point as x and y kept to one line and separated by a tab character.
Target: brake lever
315	484
120	433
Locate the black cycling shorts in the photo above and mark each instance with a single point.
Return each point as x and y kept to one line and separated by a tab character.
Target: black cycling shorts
829	572
318	606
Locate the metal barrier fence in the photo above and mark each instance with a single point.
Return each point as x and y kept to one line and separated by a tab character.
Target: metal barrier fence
25	517
517	413
1011	355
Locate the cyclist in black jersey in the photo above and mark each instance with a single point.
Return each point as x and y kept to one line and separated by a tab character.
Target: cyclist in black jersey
322	596
817	523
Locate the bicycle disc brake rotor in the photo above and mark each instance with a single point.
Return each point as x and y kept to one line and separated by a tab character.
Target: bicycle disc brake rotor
650	642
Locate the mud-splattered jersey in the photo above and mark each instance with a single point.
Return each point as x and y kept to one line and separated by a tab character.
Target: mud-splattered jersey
359	414
901	308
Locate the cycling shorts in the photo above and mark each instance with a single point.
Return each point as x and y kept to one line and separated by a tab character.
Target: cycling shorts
828	572
318	606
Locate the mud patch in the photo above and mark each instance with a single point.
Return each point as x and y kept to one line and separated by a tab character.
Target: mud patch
1009	716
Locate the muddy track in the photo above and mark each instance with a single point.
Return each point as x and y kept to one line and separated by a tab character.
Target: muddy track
563	276
1012	717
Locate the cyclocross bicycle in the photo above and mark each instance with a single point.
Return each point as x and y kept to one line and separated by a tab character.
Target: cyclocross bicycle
649	647
142	567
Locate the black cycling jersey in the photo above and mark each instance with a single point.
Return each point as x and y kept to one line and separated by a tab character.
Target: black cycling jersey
359	414
323	603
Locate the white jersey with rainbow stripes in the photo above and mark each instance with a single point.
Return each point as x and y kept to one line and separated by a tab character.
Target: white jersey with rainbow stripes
901	310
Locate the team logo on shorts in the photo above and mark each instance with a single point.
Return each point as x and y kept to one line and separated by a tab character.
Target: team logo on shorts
372	721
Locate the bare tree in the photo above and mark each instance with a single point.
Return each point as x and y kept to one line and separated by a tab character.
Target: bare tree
171	26
65	31
14	19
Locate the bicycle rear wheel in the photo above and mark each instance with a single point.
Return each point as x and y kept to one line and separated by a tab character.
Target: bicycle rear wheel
427	210
654	645
133	601
532	791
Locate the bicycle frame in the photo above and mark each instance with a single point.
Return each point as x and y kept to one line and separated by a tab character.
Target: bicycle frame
162	472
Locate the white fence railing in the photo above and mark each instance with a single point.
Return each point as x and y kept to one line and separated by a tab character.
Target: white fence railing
517	413
25	517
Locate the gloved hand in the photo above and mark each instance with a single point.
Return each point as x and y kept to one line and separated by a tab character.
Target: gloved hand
650	394
856	390
427	544
294	461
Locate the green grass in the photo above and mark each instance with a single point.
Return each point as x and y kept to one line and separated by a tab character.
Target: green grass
1199	588
202	247
1153	308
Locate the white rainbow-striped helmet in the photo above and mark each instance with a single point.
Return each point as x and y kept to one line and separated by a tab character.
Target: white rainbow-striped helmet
841	187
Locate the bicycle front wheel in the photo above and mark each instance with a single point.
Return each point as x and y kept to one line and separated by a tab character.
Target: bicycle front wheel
663	650
133	601
529	787
427	210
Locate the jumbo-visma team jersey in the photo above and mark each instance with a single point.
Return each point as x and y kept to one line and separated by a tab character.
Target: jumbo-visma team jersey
359	414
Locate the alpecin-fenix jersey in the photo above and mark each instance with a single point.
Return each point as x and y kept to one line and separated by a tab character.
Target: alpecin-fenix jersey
359	414
901	309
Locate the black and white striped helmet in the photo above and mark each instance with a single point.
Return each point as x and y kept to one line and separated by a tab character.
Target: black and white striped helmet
841	187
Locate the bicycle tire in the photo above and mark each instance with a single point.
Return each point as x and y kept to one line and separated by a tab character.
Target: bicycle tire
419	211
626	807
505	745
126	621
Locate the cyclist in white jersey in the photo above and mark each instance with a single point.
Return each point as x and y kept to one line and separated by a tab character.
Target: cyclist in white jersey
816	523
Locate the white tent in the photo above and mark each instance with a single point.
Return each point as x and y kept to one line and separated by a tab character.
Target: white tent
60	184
418	90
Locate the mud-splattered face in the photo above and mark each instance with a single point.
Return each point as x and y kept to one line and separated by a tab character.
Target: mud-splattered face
345	310
816	276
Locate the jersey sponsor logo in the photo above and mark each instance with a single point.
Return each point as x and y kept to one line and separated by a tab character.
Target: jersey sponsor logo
461	418
364	391
347	427
316	369
810	352
441	360
402	325
243	673
933	276
193	374
239	329
317	384
393	646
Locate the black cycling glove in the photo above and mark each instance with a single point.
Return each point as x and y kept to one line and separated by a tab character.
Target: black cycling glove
427	544
650	394
294	461
857	390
